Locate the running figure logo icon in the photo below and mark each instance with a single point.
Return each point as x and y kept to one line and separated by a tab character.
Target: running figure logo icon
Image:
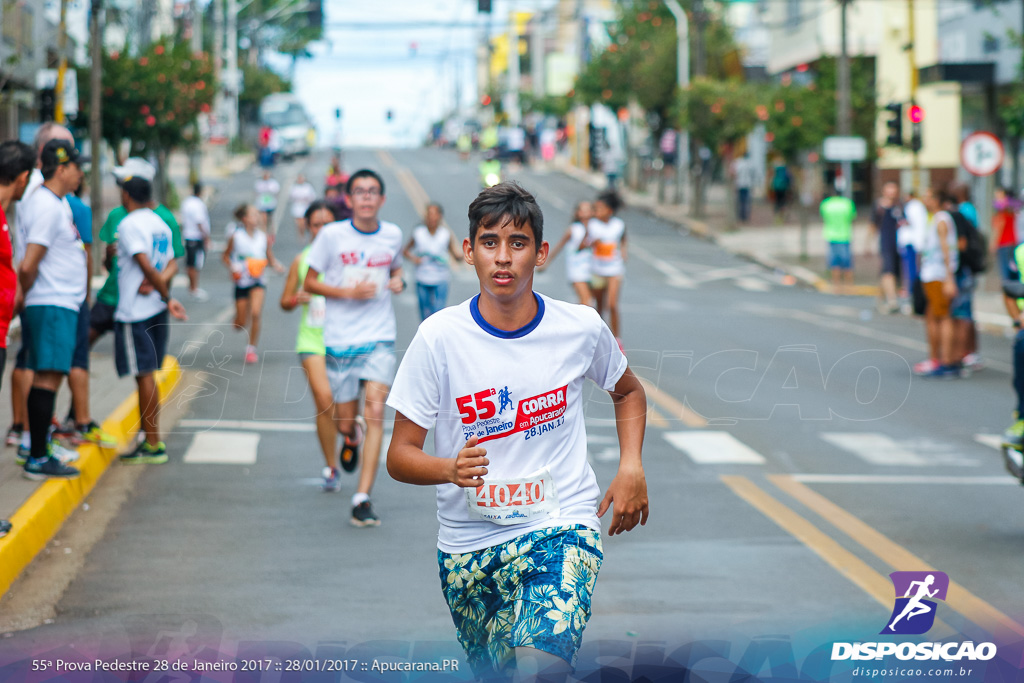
505	396
916	593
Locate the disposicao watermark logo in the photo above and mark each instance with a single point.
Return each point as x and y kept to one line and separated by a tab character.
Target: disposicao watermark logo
916	593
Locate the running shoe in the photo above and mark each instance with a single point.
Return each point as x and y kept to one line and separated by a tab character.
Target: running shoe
14	435
146	454
93	433
926	367
23	454
1014	436
5	527
251	357
48	468
945	372
349	455
362	515
62	430
973	361
332	479
199	294
65	455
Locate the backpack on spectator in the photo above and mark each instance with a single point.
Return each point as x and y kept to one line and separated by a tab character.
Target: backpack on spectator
974	256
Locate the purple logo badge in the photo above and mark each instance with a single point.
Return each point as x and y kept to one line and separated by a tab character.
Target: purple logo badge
916	593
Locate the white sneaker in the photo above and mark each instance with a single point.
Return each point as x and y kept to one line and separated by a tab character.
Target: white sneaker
65	455
199	294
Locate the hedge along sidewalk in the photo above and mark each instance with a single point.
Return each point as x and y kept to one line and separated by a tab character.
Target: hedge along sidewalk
41	516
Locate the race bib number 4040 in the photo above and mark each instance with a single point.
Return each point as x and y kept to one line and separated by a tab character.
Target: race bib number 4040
483	413
514	501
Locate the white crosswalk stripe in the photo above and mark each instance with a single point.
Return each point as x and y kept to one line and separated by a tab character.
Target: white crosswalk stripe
879	449
223	448
714	448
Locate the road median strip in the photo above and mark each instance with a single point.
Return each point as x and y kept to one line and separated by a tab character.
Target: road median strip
38	520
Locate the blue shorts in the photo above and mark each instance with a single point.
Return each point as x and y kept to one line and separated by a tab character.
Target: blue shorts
139	347
50	342
840	256
101	317
81	357
961	308
1007	264
346	368
533	591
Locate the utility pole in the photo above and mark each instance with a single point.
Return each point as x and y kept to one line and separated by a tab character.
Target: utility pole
843	115
96	125
915	168
682	82
231	77
197	47
62	63
700	69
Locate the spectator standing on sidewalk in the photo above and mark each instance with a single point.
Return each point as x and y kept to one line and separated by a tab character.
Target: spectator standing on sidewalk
781	183
1004	243
16	163
838	213
886	217
53	278
745	174
909	237
195	229
939	263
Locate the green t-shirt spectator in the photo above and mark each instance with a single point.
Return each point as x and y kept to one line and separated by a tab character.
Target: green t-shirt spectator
838	214
108	234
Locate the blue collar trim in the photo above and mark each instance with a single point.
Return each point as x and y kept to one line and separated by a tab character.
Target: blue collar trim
474	309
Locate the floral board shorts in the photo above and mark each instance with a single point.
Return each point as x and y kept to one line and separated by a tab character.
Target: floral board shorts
533	591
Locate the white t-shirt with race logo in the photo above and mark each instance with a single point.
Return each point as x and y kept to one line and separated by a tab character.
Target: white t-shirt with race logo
266	194
345	257
301	196
606	239
435	266
62	271
249	256
140	232
195	219
521	393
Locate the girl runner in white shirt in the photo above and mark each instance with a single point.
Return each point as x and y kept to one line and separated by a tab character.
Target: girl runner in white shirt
247	254
429	249
578	258
607	235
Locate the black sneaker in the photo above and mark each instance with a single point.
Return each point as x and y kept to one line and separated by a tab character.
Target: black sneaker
349	455
5	527
50	468
362	515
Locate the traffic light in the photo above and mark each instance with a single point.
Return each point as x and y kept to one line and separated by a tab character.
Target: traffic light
315	15
47	104
485	100
895	124
390	114
483	6
915	137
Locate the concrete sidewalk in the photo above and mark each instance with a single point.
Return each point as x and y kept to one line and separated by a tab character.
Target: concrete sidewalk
38	509
783	246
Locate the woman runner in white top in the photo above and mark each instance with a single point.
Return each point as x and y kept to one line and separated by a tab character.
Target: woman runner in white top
578	257
607	235
247	254
429	248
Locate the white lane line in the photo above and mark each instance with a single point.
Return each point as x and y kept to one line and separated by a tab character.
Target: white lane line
726	273
753	284
897	479
991	440
879	449
676	278
714	448
223	448
249	425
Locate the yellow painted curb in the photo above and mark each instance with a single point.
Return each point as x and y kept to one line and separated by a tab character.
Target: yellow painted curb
43	514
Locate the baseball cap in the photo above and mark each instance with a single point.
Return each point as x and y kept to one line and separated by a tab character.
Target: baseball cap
58	152
135	167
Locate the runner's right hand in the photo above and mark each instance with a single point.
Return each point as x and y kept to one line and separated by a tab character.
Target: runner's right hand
470	465
364	290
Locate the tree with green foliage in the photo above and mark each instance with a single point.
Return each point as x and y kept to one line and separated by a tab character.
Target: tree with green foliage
257	83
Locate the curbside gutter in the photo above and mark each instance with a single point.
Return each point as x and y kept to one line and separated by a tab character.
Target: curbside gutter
42	515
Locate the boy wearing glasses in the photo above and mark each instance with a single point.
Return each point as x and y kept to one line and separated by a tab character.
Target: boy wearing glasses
361	261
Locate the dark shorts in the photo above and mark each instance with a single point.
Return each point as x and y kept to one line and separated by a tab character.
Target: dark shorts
1007	264
195	254
668	158
139	347
962	306
243	292
101	318
21	358
81	357
890	259
52	332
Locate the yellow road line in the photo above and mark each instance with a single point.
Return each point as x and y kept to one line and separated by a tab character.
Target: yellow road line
42	515
899	558
386	158
675	408
655	418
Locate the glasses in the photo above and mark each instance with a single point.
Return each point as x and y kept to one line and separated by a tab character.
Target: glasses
372	193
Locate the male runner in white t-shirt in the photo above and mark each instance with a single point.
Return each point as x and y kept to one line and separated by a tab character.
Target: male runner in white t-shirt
195	230
361	260
500	379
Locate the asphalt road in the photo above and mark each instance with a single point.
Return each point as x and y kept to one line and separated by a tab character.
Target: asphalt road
793	463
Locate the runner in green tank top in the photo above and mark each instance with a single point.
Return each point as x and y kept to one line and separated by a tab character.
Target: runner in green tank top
309	344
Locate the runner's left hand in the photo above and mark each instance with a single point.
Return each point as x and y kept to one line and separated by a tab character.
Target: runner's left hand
396	285
146	287
175	308
627	494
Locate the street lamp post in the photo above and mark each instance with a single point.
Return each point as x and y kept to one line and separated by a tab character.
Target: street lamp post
683	82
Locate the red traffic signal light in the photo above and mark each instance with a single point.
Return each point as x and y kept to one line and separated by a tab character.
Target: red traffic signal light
485	100
915	114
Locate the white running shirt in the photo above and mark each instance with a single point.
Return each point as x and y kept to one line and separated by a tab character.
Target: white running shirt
933	265
435	268
140	232
62	271
606	241
301	196
193	215
521	392
345	257
266	194
249	256
577	261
